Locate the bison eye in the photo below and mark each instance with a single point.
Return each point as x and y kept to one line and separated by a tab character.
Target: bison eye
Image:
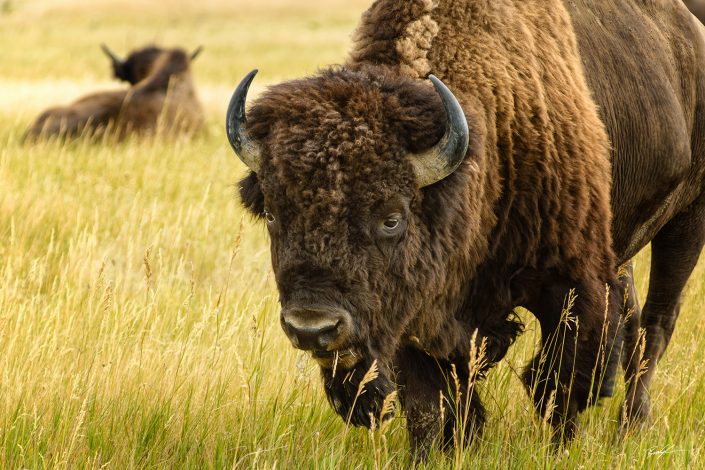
269	217
392	225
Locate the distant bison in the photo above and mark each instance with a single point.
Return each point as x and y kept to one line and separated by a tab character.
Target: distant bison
161	96
407	222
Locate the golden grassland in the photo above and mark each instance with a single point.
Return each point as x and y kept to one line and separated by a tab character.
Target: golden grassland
138	313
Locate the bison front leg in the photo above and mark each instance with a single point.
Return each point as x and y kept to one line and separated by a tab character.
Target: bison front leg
442	406
579	353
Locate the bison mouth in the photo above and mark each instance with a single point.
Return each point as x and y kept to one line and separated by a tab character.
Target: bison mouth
339	359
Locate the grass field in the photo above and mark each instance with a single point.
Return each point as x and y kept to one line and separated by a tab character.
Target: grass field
138	314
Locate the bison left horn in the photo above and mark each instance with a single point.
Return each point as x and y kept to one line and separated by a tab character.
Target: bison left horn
236	125
114	57
444	158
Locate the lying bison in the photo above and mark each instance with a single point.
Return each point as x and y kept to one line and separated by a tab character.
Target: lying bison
161	96
407	222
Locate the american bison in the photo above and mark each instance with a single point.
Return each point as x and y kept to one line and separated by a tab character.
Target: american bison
161	96
408	222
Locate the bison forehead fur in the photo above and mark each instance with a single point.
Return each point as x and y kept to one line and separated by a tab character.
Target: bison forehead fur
329	137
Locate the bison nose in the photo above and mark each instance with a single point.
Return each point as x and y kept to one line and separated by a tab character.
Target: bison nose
316	329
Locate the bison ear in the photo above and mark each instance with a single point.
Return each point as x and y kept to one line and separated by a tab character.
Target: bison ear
251	195
418	115
422	117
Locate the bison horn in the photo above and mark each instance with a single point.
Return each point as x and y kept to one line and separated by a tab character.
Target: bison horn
195	53
444	158
111	54
236	125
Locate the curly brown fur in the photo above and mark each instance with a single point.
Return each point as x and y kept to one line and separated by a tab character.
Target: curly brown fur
161	97
523	221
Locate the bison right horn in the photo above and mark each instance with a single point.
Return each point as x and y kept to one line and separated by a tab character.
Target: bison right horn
444	158
236	125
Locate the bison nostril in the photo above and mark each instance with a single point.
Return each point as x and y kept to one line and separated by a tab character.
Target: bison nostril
313	329
311	337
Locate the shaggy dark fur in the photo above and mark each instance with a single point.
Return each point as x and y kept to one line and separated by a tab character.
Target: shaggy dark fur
161	97
526	220
342	390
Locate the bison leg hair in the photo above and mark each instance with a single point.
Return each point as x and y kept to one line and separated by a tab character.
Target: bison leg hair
674	253
632	354
441	404
358	395
581	342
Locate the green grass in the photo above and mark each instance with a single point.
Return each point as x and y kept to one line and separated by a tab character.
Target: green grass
138	313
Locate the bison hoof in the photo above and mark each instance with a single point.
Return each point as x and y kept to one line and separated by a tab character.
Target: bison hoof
635	413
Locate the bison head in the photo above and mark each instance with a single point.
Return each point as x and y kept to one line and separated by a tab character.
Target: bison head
139	64
338	164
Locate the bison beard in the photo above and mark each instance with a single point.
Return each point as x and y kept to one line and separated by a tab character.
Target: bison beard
357	403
